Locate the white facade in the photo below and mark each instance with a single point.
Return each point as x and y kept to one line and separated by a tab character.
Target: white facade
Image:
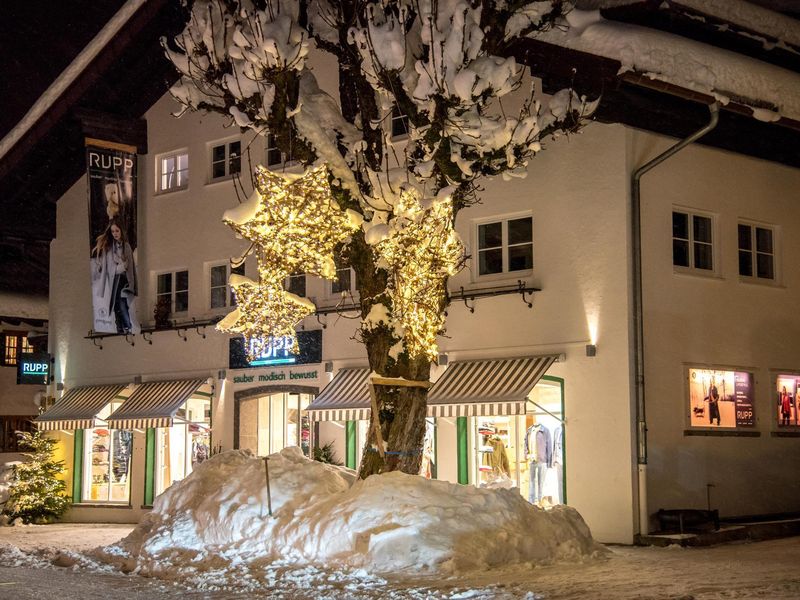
577	192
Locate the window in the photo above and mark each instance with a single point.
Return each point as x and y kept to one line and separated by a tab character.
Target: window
221	292
720	398
107	462
274	155
505	246
173	171
399	122
173	291
296	284
185	445
345	278
14	344
226	160
756	251
692	244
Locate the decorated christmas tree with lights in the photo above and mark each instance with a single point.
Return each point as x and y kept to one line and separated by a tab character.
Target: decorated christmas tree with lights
438	71
36	494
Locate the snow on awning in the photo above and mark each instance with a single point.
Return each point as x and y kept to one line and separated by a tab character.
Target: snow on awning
345	398
155	403
79	407
487	387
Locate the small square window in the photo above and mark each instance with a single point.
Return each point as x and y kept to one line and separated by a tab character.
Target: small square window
505	246
226	160
399	122
274	155
296	284
345	278
173	171
692	241
14	344
221	292
172	292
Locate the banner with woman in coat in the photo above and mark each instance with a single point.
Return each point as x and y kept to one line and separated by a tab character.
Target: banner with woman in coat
111	175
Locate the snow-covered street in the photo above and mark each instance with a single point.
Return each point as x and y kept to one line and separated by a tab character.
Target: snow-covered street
29	557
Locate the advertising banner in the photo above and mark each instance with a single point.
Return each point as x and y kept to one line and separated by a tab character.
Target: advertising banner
787	401
33	368
279	351
111	176
721	398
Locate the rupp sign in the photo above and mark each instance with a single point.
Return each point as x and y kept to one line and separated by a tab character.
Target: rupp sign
34	369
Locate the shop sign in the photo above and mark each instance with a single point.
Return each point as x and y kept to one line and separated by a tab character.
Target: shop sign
721	398
788	387
33	369
279	351
293	377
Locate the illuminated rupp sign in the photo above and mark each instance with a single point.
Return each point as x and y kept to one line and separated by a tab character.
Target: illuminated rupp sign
279	351
33	369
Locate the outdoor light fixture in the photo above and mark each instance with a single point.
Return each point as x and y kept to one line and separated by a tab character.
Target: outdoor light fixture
591	350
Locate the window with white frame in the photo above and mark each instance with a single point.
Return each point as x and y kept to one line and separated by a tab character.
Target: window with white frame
692	240
107	462
296	284
345	277
399	122
221	293
14	344
756	251
172	292
173	171
505	246
274	155
226	159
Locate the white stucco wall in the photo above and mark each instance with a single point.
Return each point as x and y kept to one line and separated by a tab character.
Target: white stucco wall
719	321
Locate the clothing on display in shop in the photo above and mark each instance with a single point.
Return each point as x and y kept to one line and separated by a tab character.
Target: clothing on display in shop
539	452
497	459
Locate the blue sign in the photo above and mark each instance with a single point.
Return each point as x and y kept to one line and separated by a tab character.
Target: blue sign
34	369
278	352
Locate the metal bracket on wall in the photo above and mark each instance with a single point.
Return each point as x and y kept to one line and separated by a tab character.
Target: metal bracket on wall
324	325
130	338
466	300
197	329
147	336
523	291
98	342
181	335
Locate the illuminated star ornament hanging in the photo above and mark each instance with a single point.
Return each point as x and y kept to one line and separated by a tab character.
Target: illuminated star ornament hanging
293	224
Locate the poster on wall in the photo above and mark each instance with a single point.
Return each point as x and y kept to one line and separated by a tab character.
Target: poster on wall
721	398
787	401
111	177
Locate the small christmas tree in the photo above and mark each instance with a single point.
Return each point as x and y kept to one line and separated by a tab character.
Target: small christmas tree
36	494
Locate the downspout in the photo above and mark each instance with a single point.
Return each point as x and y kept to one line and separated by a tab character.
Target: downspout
638	315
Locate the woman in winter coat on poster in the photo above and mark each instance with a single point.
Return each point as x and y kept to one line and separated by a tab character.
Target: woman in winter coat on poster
117	272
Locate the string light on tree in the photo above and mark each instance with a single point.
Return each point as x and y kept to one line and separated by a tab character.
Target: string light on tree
293	224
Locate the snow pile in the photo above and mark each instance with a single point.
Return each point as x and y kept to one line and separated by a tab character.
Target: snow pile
386	523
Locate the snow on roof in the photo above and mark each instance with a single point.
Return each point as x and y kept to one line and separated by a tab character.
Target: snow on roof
742	14
726	75
386	523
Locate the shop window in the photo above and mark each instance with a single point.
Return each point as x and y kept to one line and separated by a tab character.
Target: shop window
756	251
296	284
721	399
172	292
226	160
14	344
107	462
173	171
185	445
268	424
692	241
220	291
399	122
505	246
788	403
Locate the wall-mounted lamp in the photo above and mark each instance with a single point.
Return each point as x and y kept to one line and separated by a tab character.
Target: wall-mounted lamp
60	386
329	367
591	350
442	360
137	379
222	374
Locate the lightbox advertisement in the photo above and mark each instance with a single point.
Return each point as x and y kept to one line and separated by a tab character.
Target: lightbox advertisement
723	399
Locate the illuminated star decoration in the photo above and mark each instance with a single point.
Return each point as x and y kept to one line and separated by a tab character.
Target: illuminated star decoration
294	224
421	252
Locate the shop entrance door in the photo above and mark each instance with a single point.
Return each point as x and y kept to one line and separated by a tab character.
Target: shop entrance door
271	422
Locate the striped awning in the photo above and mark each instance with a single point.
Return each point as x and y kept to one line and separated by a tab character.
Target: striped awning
487	387
78	408
154	404
345	398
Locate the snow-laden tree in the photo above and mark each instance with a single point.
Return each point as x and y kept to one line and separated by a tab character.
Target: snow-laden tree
445	66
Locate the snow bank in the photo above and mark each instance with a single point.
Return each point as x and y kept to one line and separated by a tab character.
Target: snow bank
386	523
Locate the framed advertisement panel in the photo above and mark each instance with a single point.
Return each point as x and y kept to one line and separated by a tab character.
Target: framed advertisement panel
721	399
787	403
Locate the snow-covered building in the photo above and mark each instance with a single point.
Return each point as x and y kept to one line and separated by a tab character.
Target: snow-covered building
637	326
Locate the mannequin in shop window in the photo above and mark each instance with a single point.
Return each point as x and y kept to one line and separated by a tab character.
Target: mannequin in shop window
558	453
539	455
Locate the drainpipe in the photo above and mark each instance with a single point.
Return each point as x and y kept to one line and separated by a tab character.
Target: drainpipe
638	315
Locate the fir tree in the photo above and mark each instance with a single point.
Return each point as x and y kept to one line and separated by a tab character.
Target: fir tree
36	494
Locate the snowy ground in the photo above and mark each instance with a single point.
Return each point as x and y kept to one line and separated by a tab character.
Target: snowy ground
29	555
